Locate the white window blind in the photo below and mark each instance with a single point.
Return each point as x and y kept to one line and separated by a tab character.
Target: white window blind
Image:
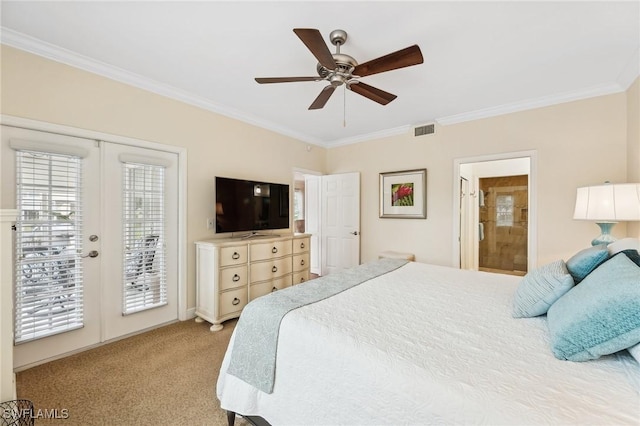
145	285
48	279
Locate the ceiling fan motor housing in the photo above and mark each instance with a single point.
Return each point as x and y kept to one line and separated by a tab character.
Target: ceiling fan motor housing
344	66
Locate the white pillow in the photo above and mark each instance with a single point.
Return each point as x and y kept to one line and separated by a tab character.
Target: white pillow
623	244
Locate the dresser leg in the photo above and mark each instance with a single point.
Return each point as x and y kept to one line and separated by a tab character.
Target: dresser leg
199	320
216	327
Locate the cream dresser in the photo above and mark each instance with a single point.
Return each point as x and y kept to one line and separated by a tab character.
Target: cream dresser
230	272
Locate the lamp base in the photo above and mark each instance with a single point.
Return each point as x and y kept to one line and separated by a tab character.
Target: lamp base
605	237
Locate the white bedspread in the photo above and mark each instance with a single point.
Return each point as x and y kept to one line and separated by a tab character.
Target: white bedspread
428	344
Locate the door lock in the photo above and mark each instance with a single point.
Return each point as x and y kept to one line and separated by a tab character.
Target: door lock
354	233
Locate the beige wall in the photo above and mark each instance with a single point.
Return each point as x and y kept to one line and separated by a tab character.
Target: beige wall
633	144
39	89
578	143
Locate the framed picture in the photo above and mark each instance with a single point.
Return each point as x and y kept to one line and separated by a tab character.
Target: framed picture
404	194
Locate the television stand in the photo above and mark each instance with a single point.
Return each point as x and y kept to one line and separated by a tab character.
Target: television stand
231	272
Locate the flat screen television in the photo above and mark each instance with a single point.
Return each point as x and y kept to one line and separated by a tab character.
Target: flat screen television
250	206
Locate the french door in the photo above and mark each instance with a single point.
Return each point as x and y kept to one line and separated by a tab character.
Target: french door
96	241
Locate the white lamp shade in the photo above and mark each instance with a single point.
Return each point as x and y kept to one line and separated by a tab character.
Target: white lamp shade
608	202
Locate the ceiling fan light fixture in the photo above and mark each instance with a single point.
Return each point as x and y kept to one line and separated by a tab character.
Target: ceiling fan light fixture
336	80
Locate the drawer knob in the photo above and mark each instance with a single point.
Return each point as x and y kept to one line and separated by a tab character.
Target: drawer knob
301	280
235	278
301	245
274	250
302	262
235	301
274	289
235	255
274	269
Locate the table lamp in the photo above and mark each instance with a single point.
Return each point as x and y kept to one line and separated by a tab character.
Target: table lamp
607	205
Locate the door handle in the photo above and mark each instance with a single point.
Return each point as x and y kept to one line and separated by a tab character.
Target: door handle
354	233
92	253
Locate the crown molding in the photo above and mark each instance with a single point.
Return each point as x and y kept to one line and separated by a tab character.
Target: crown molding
55	53
41	48
600	90
369	136
631	70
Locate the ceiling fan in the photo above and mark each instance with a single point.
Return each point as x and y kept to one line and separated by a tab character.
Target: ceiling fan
339	69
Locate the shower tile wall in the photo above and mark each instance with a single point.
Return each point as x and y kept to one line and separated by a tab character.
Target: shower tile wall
504	245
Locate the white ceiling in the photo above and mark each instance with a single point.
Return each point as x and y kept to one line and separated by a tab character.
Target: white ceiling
480	58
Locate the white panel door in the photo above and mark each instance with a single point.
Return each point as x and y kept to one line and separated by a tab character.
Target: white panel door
312	219
340	218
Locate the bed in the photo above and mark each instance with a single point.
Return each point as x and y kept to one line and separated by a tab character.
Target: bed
427	344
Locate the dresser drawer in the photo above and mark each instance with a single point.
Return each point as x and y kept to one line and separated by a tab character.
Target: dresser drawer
268	270
233	255
232	301
301	262
234	276
300	245
300	277
265	251
266	287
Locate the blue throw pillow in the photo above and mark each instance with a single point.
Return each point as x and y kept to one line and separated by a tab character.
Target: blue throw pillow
600	316
540	288
585	261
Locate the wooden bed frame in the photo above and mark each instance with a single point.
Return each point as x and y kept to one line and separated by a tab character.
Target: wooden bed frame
254	420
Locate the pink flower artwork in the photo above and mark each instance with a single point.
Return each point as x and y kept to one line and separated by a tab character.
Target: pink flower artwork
402	194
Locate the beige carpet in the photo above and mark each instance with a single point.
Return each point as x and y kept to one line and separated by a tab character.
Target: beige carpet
163	377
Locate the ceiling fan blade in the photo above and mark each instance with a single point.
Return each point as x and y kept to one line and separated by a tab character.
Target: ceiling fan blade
264	80
402	58
314	42
323	97
373	93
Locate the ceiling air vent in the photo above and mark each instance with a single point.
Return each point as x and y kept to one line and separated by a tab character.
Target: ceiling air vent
427	129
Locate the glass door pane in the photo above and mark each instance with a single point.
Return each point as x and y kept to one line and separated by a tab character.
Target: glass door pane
143	227
49	290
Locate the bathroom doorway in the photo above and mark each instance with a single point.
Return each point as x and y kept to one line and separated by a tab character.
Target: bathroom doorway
494	204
